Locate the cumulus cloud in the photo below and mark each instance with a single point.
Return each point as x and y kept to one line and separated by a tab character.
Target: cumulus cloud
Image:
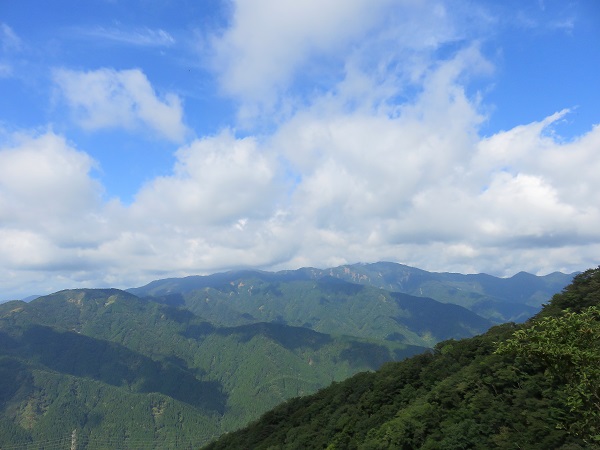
420	182
357	164
225	205
382	160
49	209
270	47
219	205
268	40
217	181
43	175
108	98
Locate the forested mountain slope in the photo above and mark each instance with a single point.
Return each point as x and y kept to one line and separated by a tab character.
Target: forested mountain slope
534	386
200	356
324	304
129	372
497	299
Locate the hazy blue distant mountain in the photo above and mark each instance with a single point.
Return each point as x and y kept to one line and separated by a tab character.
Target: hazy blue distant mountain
500	299
26	299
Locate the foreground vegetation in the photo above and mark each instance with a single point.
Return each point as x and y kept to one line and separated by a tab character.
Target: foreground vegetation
533	386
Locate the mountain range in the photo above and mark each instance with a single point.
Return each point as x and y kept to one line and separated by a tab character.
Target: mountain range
178	362
534	386
497	299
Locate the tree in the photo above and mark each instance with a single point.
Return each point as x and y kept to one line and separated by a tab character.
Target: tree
568	347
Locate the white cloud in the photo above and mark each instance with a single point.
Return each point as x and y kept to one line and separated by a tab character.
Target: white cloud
272	50
270	44
44	176
108	98
356	165
50	209
380	158
268	40
218	206
369	196
425	186
217	181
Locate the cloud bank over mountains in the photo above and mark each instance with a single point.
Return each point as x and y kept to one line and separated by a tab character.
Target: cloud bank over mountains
358	137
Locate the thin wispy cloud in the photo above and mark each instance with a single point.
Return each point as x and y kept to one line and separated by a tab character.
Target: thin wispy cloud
5	70
9	40
143	37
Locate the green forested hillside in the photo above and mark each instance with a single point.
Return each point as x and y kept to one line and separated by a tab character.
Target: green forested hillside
325	304
498	299
124	370
530	386
201	356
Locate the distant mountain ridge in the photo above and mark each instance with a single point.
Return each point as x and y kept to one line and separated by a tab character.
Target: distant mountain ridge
498	299
317	301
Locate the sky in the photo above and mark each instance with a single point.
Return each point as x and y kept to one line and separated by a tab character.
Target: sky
145	139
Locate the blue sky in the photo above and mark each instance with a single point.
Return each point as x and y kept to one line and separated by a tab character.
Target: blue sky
142	139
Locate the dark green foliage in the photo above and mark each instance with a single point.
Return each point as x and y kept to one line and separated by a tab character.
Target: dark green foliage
82	356
569	348
531	386
567	344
